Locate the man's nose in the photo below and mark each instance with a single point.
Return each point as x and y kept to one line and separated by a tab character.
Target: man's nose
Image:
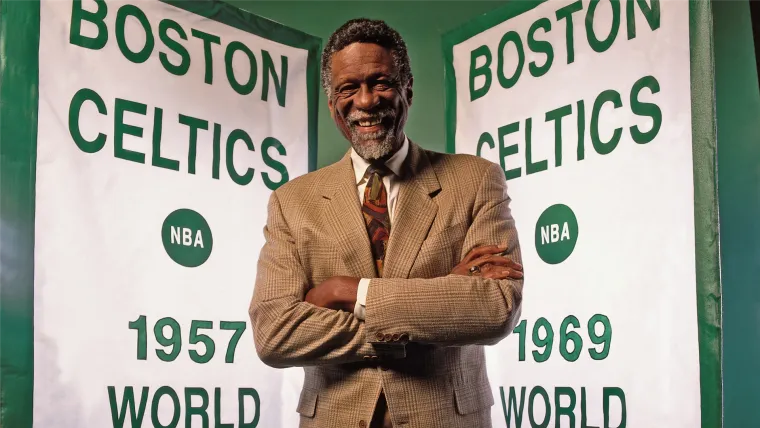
366	98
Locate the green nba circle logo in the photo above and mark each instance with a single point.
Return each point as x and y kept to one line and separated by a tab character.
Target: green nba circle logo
556	234
187	238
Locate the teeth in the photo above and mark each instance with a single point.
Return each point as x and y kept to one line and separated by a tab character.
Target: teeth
369	122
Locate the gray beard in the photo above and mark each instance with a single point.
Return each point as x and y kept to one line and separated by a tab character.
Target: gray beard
360	140
373	151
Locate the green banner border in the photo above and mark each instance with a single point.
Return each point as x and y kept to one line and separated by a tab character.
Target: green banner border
19	41
19	91
704	151
706	225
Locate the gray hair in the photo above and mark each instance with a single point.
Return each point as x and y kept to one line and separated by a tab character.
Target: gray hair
364	30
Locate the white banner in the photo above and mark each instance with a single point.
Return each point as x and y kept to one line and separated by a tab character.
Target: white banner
162	131
587	107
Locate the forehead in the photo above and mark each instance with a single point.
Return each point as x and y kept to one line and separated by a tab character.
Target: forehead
361	60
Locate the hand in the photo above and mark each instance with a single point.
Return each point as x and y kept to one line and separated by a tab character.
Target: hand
337	292
490	264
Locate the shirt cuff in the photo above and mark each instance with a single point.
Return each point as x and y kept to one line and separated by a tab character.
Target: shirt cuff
361	298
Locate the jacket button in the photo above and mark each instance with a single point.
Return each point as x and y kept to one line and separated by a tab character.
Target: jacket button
388	337
367	357
362	424
404	337
395	337
379	336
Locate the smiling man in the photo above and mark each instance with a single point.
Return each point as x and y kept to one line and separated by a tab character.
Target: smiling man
385	274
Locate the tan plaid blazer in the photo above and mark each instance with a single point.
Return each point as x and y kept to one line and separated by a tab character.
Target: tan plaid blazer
422	341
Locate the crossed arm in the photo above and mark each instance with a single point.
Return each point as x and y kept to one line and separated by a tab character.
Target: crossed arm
295	326
339	292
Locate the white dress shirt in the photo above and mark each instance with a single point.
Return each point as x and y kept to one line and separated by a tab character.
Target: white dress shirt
395	163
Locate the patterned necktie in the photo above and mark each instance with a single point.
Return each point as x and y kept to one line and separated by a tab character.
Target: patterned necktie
376	216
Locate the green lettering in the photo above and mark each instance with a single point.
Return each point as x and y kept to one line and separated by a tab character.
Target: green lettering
504	81
484	70
268	143
246	88
280	86
596	44
567	13
75	108
601	147
530	166
608	392
520	329
157	130
120	129
564	411
208	39
78	15
165	390
194	124
121	18
583	410
581	130
217	150
513	405
485	138
556	115
505	151
645	109
191	410
175	46
234	136
651	13
540	46
218	410
248	392
547	406
119	416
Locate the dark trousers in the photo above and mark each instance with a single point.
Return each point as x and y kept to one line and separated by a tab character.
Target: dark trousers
382	417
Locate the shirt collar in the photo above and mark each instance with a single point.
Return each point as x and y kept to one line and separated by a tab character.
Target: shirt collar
395	163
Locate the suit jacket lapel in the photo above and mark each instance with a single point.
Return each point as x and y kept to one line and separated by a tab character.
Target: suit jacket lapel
344	220
414	214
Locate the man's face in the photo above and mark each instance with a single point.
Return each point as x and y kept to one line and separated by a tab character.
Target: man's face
367	103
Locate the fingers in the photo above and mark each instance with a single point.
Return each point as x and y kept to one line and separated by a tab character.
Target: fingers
500	272
495	260
482	251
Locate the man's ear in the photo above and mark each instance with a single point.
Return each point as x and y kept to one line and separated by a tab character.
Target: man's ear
331	107
410	91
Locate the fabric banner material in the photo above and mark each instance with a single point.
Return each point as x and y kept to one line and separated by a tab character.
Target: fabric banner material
162	128
589	107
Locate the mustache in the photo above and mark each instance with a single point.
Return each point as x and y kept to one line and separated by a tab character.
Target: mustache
357	115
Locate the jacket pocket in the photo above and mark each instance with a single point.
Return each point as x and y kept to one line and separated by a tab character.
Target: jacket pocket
472	398
307	403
